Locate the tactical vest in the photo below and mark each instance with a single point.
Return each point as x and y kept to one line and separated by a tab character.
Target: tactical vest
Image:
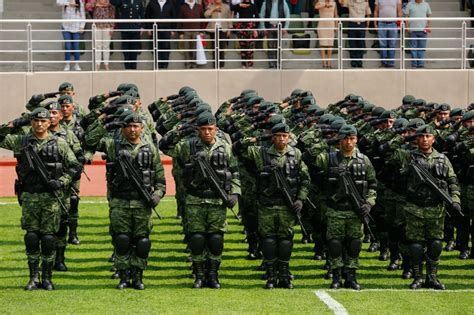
77	129
29	179
267	189
417	191
357	170
121	187
194	181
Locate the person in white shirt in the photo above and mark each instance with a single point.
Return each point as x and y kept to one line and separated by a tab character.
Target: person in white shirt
72	10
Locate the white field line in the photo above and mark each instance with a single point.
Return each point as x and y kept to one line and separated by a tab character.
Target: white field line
334	305
408	290
85	201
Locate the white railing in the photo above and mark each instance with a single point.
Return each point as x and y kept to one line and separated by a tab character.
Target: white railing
32	45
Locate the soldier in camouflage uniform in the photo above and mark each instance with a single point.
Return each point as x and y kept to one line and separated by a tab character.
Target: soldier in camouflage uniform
463	162
67	88
205	208
130	214
424	210
344	227
276	217
71	122
57	130
40	210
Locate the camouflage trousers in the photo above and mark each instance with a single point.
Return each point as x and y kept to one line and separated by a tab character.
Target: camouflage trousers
277	220
74	212
133	218
424	223
206	219
344	229
40	214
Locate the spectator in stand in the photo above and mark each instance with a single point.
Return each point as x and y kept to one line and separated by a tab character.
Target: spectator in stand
295	6
274	9
102	10
131	32
219	10
162	9
357	29
190	10
72	10
246	30
418	31
388	30
326	30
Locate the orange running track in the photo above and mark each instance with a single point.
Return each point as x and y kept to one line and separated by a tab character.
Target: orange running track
95	171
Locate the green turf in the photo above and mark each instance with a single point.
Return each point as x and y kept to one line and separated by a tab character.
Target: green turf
87	288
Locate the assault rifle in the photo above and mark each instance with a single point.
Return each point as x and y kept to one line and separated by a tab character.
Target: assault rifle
35	163
130	173
284	187
209	174
356	199
430	181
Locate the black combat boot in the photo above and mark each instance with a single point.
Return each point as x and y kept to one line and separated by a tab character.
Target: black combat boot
305	239
351	281
432	281
394	263
73	239
124	277
449	246
407	271
213	281
254	253
137	279
270	275
384	253
284	280
464	254
417	278
47	275
373	247
336	279
59	263
318	253
472	253
200	274
34	282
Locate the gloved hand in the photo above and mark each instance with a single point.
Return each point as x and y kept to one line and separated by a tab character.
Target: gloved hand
51	94
232	200
155	200
115	93
55	184
457	208
20	122
297	206
365	210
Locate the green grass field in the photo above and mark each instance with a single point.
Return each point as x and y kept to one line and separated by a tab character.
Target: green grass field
87	287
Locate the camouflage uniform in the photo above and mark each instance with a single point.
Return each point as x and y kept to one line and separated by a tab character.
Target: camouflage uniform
344	224
276	219
423	210
130	215
205	211
40	210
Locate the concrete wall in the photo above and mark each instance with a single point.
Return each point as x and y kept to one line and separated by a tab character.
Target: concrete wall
385	88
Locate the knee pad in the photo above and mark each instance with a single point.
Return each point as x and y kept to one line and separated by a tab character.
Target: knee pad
215	243
434	249
32	240
122	244
335	248
142	247
197	242
269	248
74	204
285	247
353	247
416	252
48	244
